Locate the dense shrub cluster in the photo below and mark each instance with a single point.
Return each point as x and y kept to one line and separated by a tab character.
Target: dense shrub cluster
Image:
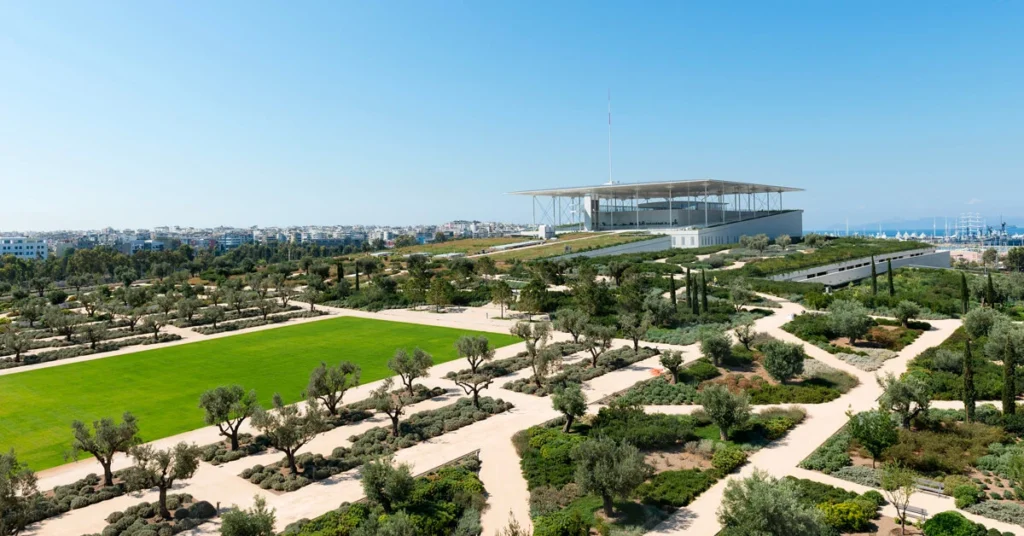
445	502
659	392
947	384
144	519
1007	512
675	488
955	524
79	494
832	455
220	452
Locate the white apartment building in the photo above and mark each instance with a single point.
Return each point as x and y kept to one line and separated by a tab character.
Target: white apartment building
22	247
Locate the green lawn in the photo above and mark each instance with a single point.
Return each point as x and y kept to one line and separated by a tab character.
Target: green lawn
162	386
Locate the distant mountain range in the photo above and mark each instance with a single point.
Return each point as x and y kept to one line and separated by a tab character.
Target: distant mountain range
916	224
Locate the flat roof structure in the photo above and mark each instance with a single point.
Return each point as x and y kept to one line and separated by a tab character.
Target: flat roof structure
661	189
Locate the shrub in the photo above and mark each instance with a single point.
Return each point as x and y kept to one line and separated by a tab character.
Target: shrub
874	496
1000	511
643	430
699	371
674	488
857	474
831	456
847	516
561	523
966	495
728	459
659	392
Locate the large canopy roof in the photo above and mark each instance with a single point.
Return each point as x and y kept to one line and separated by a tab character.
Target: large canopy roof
652	190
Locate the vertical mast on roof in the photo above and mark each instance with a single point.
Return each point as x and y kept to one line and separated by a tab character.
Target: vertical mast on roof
610	137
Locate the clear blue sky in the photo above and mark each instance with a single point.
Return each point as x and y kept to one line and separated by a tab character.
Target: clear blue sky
240	113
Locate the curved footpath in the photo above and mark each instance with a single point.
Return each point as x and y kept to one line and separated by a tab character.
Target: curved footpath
502	478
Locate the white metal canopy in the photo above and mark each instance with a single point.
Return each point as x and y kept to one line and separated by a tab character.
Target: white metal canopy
664	189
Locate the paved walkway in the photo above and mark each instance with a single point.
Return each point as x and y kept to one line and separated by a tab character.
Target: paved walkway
500	471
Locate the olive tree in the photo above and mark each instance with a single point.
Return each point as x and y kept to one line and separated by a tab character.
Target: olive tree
745	333
255	521
725	409
608	469
536	337
597	339
386	484
906	311
289	428
635	326
227	407
153	324
766	506
907	397
410	367
570	402
17	494
476	349
783	241
978	322
1006	344
672	361
849	318
328	384
501	294
105	440
15	341
715	345
472	383
161	469
782	360
391	404
213	315
572	321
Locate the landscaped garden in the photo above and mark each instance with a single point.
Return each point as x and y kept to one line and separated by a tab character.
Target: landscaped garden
786	377
161	386
847	331
623	470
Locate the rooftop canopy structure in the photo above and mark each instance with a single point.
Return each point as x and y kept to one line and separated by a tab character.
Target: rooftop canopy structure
689	204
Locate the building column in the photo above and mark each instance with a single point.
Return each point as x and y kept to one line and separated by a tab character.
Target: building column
670	207
705	205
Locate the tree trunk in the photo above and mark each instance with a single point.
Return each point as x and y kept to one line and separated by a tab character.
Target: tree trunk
636	345
609	507
394	425
108	475
291	462
568	423
476	398
723	434
234	440
163	503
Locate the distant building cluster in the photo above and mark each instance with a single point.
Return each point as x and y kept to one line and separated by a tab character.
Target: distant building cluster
39	245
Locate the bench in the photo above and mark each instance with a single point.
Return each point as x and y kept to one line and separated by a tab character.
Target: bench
914	511
930	486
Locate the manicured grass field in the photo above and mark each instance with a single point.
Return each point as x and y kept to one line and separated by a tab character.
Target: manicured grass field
580	242
162	386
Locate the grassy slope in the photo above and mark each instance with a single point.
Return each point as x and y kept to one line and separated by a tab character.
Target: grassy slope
162	386
580	241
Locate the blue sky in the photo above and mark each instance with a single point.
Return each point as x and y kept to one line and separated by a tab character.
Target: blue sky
257	113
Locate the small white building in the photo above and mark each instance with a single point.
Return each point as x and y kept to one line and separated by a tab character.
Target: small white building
23	247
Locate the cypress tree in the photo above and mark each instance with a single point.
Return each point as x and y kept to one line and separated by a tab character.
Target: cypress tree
357	274
703	291
969	392
964	294
341	270
691	293
888	271
1009	381
672	289
990	292
874	277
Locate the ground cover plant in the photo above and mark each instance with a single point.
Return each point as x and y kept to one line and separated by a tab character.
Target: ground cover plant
443	502
79	494
36	406
683	456
144	519
587	242
373	444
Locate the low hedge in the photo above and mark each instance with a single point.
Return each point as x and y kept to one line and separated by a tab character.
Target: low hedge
503	367
675	488
78	494
144	519
374	443
78	351
251	323
609	361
